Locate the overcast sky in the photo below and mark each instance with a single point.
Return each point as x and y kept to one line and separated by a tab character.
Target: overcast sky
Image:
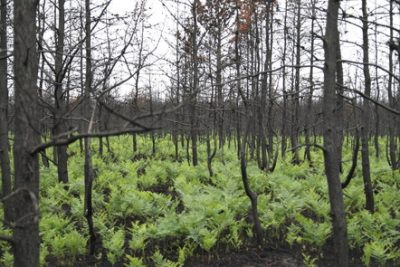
163	24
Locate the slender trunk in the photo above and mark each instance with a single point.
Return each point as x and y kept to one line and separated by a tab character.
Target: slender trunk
257	230
4	145
238	88
366	111
220	97
153	138
296	96
270	117
331	137
60	103
194	91
263	101
41	30
377	117
284	92
88	207
175	130
311	82
392	139
353	167
340	102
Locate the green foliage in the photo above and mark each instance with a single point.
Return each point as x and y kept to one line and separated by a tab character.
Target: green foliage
114	243
67	246
166	211
160	261
134	262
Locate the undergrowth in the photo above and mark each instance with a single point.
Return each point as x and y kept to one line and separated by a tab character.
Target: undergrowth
150	209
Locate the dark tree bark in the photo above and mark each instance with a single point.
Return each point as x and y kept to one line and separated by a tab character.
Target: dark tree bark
41	61
195	85
294	135
26	168
392	128
250	194
332	137
89	174
218	80
60	101
354	159
365	117
264	89
270	112
4	145
307	127
340	101
284	92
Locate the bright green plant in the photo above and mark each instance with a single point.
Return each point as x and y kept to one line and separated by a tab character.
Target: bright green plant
114	243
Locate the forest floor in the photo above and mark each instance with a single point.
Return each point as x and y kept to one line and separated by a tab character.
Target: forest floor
151	210
250	258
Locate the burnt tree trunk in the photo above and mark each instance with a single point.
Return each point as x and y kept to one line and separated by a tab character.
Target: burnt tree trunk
26	168
88	207
60	102
365	117
331	137
307	127
294	135
4	145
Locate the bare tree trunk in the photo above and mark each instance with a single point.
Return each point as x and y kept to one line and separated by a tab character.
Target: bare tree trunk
89	175
41	31
392	139
195	86
175	130
366	111
378	90
270	116
250	194
243	164
263	99
331	137
26	168
340	101
296	96
60	103
153	139
238	86
220	96
4	145
307	130
284	92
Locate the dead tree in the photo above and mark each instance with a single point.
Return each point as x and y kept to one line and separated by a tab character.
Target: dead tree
331	137
26	168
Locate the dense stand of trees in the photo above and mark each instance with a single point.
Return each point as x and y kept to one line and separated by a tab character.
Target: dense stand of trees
268	77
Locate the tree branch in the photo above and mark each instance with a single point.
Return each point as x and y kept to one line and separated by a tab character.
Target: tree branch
66	140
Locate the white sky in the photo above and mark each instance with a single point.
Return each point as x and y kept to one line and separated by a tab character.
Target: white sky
164	24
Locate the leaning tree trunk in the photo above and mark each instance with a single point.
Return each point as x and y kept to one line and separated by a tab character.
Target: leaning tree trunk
331	137
26	137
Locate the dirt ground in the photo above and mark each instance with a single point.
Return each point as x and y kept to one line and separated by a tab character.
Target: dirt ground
250	258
